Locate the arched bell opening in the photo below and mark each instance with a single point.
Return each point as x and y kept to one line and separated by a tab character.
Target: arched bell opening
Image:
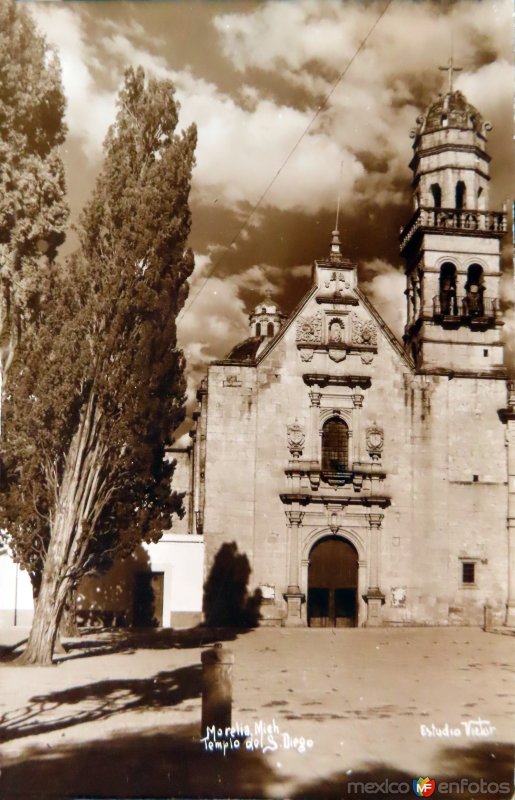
447	295
474	288
460	195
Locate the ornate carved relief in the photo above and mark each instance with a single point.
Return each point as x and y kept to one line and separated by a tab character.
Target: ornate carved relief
375	442
306	354
364	331
399	594
337	278
296	438
367	358
309	329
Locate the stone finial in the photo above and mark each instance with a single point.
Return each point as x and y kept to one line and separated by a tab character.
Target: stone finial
335	253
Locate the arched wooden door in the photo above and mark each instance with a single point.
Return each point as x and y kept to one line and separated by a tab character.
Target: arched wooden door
333	584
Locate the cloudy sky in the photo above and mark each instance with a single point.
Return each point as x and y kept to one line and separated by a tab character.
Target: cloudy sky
277	125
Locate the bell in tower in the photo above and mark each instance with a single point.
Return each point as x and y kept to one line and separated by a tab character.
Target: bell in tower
452	242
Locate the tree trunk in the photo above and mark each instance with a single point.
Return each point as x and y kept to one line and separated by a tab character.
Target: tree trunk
68	626
47	615
69	534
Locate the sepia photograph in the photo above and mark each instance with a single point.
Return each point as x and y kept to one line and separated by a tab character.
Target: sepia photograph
257	399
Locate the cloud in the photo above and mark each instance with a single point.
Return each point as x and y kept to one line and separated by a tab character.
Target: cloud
308	45
214	319
236	142
386	291
320	37
126	52
359	142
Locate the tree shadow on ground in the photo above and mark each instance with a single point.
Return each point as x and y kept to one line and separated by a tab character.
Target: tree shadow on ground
168	763
11	651
491	762
172	762
106	641
100	700
227	602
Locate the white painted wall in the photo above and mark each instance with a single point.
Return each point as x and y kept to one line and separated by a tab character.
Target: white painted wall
16	606
181	558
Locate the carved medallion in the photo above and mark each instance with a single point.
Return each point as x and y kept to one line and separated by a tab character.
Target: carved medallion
375	441
337	355
296	438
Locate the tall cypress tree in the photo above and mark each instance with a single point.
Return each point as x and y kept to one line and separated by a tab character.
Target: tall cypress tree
33	210
96	395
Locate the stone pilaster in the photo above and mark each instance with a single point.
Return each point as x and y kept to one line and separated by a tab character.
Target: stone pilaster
507	416
374	596
314	411
293	595
357	405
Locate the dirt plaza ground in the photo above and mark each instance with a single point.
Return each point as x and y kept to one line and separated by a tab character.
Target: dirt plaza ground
331	713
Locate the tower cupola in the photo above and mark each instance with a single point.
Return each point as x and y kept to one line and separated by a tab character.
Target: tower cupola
266	319
450	163
452	241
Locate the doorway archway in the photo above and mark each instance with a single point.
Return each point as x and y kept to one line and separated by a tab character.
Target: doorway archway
333	584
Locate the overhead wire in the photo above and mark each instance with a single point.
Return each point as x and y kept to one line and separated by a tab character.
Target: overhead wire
187	308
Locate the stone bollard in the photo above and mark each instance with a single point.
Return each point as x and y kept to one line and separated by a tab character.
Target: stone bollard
489	618
217	665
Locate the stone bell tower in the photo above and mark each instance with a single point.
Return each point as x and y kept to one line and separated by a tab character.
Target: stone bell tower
452	243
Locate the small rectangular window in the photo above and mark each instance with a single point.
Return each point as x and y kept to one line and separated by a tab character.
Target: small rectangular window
468	572
485	353
475	478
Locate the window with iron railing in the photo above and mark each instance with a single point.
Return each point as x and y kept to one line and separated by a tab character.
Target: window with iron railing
472	305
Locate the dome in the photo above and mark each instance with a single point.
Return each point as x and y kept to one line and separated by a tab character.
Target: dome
246	350
451	110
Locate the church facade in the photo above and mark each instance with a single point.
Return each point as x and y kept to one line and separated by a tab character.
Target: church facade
369	481
363	480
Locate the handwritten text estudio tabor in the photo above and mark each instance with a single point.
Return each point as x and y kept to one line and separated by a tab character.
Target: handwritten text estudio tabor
264	736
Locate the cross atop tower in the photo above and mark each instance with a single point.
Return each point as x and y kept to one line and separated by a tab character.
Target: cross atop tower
450	68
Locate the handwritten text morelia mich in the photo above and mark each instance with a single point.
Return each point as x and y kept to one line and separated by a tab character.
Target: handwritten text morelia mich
264	736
